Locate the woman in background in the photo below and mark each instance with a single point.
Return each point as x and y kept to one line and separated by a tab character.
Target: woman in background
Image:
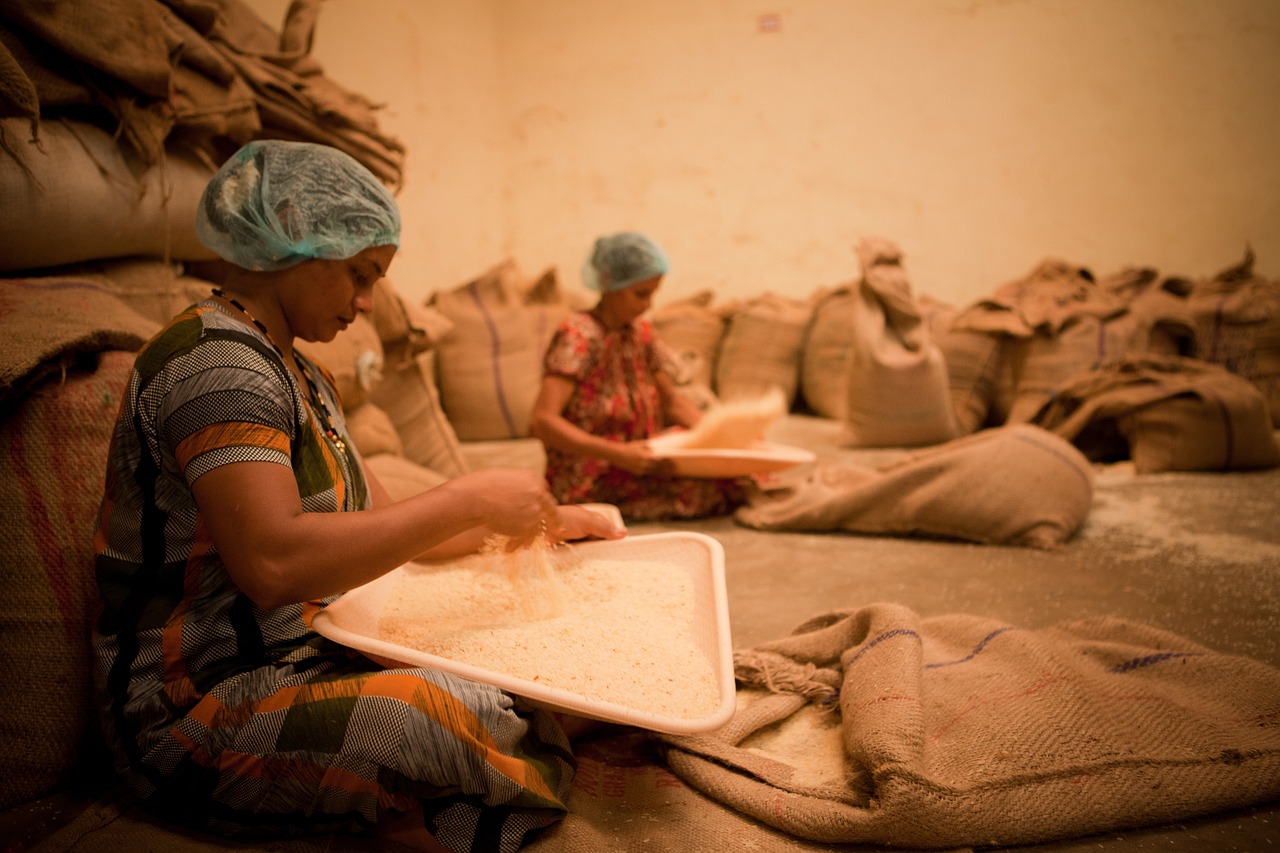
606	390
236	508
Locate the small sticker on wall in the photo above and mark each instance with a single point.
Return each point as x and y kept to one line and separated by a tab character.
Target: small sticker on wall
770	22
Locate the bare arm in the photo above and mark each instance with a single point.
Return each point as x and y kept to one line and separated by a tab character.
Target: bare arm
278	554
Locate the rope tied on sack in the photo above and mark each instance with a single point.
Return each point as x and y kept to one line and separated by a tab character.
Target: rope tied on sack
779	674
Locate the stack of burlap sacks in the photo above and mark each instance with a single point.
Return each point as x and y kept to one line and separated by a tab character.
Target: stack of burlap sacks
901	369
1174	373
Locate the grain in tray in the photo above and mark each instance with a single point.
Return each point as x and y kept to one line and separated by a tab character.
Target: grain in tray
609	630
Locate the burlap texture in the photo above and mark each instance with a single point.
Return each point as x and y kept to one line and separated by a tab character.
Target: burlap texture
1149	321
693	326
405	329
212	75
401	477
75	195
1237	321
1015	485
409	396
898	391
47	323
155	289
761	348
962	730
1167	414
489	367
974	362
372	431
354	358
54	448
828	344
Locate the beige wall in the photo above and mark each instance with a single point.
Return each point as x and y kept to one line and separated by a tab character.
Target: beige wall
980	136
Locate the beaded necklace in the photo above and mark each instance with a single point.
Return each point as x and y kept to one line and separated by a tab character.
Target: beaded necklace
315	398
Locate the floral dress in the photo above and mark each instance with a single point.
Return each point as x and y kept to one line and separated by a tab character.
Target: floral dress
617	397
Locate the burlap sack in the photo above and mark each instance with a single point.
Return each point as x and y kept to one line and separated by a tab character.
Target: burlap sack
76	196
828	345
761	348
488	368
400	477
961	730
372	431
53	445
1042	302
546	303
974	363
898	391
208	76
1167	414
155	289
47	323
406	330
1148	320
1015	485
409	397
1237	319
693	329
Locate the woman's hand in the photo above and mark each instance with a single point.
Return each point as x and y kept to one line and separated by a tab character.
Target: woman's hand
637	457
580	522
512	502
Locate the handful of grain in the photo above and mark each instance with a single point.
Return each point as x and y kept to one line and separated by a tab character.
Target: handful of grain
622	633
533	572
734	425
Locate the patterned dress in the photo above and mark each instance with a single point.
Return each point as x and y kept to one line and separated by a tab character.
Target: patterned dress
242	719
617	397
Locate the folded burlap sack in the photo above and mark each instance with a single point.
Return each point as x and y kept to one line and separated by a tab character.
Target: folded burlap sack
878	726
1168	414
1015	485
1237	320
898	391
47	323
53	449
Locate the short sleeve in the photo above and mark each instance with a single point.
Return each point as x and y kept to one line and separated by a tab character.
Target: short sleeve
574	349
224	402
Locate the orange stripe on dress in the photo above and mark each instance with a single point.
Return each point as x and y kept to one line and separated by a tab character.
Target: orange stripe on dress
232	434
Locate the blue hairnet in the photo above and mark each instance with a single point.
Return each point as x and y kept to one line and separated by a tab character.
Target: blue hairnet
275	204
620	260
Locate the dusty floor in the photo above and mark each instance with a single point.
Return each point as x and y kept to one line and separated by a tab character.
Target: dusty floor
1197	554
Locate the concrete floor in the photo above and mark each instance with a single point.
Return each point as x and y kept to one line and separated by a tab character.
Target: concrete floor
1197	554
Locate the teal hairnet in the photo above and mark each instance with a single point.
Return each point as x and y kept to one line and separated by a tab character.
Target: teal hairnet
275	204
620	260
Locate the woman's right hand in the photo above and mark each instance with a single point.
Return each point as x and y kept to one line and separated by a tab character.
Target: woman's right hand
637	457
512	502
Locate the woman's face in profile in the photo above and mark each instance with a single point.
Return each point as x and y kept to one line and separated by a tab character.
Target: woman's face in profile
322	297
629	303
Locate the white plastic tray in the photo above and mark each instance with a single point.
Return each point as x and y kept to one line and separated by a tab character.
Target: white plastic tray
353	621
763	457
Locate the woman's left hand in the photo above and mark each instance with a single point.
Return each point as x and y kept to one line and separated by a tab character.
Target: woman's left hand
580	522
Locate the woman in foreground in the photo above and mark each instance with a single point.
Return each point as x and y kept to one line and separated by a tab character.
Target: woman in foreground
236	508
